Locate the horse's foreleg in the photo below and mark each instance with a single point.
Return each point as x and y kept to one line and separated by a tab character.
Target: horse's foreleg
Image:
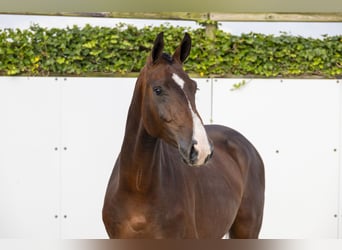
245	226
247	223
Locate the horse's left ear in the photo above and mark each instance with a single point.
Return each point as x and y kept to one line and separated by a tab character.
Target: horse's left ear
183	50
158	47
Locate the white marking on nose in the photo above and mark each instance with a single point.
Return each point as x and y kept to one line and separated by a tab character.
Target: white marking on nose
199	134
178	80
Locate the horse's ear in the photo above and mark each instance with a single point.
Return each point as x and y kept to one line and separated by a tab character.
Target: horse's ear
183	50
158	47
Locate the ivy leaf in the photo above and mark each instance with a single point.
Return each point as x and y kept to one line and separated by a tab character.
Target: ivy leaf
60	60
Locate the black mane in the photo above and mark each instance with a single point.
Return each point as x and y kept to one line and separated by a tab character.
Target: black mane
167	58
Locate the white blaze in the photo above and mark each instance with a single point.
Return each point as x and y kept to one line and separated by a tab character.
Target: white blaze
178	80
199	134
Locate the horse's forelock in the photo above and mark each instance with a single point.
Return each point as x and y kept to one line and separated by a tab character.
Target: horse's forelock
167	58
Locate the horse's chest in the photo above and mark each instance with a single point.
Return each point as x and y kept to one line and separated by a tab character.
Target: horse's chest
144	220
137	225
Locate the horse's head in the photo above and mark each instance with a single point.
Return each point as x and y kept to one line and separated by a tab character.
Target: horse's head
168	106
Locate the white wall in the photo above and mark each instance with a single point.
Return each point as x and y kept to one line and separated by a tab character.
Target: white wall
59	138
295	124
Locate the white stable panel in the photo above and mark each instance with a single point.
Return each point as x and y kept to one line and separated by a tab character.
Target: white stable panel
203	99
294	124
59	138
94	114
29	163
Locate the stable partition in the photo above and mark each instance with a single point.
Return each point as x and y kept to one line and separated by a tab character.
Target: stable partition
59	138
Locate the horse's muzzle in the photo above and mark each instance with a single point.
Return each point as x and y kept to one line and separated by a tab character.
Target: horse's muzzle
196	156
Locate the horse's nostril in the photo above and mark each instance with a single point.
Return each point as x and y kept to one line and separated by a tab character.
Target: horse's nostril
193	154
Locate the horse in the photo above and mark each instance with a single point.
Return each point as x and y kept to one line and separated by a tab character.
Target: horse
175	177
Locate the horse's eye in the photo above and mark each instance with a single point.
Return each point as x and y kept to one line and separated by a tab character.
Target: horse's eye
157	90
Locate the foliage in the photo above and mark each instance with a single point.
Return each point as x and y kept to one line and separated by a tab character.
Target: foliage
124	48
238	85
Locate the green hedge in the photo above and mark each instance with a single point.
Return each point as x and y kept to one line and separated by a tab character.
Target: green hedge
124	48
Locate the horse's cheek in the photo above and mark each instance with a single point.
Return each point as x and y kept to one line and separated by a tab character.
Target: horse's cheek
165	114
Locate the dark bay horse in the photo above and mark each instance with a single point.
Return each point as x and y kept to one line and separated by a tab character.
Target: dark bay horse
175	177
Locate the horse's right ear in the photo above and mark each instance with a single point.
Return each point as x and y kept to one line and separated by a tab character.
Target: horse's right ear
183	50
158	47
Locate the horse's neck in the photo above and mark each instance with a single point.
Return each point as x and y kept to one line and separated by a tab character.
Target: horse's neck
139	151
